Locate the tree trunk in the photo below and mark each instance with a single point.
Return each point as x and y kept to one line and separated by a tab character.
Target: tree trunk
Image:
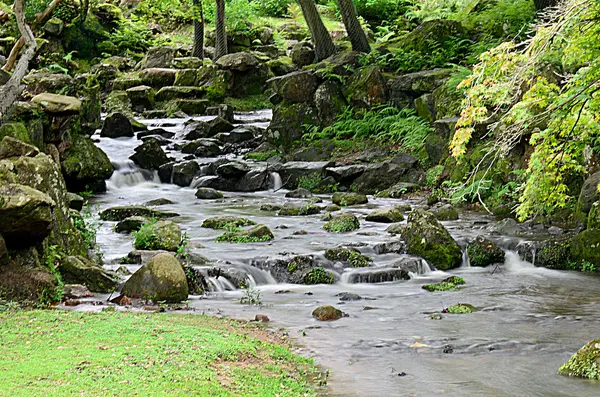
321	38
541	4
220	31
198	50
12	57
357	35
10	91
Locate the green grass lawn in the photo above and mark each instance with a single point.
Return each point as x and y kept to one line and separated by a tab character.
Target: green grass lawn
58	353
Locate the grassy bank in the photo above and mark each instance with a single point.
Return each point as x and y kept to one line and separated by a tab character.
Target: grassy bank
56	353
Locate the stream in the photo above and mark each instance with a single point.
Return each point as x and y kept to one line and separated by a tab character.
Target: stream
531	320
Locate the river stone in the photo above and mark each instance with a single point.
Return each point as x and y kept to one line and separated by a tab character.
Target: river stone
26	215
238	62
75	201
80	270
399	190
76	291
387	215
427	238
584	363
218	125
85	166
116	125
162	279
161	235
11	147
296	87
445	212
206	193
327	313
141	97
380	176
149	155
238	135
349	199
58	105
187	63
378	275
299	193
342	223
483	252
233	170
348	296
158	202
293	209
131	224
184	173
122	212
219	222
259	232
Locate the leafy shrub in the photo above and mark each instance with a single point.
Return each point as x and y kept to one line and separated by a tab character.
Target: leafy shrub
381	10
273	8
169	13
318	275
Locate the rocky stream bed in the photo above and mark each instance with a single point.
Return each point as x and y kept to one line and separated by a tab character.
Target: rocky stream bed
528	322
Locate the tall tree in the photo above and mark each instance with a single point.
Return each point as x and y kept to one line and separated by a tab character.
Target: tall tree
10	91
357	35
220	31
541	4
321	38
198	50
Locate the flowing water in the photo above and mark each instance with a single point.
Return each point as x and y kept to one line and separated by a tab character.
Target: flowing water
531	319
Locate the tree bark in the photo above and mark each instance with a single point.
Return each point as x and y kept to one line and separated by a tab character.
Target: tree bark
10	91
321	38
357	35
198	50
541	4
14	53
220	31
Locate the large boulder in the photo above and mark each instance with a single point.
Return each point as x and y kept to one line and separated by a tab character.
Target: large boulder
289	119
294	171
434	31
584	363
117	125
349	199
367	88
123	212
297	87
386	215
159	57
419	82
85	166
162	279
149	155
585	247
380	176
327	313
26	215
156	77
302	54
483	252
184	173
427	238
57	105
330	102
141	97
342	223
80	270
55	83
161	235
11	147
238	62
589	193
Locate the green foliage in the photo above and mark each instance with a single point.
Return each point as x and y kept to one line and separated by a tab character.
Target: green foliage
273	8
233	234
433	175
168	13
49	295
87	225
461	308
587	266
561	120
448	284
385	125
251	296
183	247
356	259
132	37
262	156
310	182
585	363
146	238
318	275
9	306
381	10
292	267
84	354
425	10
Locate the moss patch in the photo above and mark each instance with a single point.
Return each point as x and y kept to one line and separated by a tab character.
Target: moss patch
585	363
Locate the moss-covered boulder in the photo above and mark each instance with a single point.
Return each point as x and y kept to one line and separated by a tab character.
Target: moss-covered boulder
445	212
85	166
586	246
342	223
158	235
386	215
292	209
593	219
287	124
553	254
219	222
11	147
448	284
158	77
427	238
131	224
351	256
117	125
149	155
122	212
170	93
585	363
330	102
15	130
80	270
349	199
26	215
327	313
239	62
484	252
206	193
159	57
434	31
162	279
57	105
256	234
296	87
460	308
367	88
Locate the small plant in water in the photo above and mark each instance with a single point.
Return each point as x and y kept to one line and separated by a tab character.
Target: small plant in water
251	296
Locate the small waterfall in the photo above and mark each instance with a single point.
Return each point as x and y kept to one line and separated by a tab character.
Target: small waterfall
465	258
276	180
219	284
128	174
512	261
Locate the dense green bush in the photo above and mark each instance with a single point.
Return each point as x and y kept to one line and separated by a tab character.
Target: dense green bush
381	10
169	13
273	8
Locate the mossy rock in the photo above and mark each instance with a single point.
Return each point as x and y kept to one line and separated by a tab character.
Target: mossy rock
461	308
585	363
427	238
342	223
161	235
387	215
446	213
593	219
122	212
80	270
291	209
349	199
553	255
483	252
219	222
162	279
586	246
352	257
131	224
318	275
327	313
256	234
15	130
85	165
448	284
